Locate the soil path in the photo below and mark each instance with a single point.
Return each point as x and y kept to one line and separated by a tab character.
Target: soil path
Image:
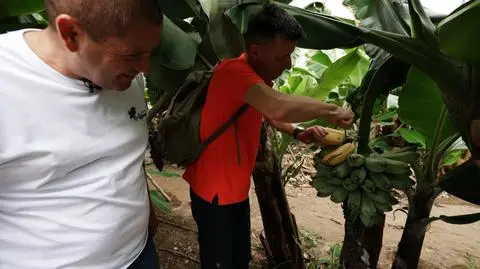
321	223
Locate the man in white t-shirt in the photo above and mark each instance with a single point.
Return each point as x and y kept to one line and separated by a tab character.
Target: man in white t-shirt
73	193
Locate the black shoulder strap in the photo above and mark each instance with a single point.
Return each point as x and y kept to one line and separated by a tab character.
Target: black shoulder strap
225	126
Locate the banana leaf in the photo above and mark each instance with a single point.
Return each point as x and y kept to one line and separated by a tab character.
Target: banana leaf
226	41
21	22
178	46
422	27
458	33
181	9
458	219
391	16
336	73
463	182
322	31
420	103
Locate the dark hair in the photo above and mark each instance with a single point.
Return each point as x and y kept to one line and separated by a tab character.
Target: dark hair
271	22
105	18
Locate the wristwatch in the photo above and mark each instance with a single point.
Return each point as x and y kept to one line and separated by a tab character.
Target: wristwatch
296	131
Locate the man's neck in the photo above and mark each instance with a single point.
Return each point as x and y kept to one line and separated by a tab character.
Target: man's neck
48	48
258	70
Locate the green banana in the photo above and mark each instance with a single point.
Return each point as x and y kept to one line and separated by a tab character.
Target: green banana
383	207
323	188
367	206
375	164
379	196
377	218
401	182
368	185
396	167
381	181
356	160
407	156
358	175
342	170
355	200
339	195
366	219
334	181
323	169
349	185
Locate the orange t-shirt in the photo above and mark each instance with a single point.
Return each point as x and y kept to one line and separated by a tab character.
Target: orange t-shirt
218	170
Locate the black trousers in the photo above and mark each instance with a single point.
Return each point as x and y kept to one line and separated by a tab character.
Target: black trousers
223	233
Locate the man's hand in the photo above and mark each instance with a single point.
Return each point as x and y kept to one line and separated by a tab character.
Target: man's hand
342	117
312	134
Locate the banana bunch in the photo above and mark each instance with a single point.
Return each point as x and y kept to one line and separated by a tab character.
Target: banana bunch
334	137
364	184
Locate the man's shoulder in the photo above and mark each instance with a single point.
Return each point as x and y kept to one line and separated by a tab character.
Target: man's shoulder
232	64
13	46
9	39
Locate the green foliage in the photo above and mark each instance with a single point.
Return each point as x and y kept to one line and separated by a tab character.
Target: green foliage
159	202
336	73
459	219
14	8
332	260
458	33
412	136
163	173
463	182
178	46
341	34
181	9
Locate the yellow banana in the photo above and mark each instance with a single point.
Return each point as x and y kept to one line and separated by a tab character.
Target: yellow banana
339	155
334	137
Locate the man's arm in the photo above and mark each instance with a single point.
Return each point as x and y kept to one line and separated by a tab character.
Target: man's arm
314	134
283	127
281	107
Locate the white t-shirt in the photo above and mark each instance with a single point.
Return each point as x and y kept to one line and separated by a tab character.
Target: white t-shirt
72	188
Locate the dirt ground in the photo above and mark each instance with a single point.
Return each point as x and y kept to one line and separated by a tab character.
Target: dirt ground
321	225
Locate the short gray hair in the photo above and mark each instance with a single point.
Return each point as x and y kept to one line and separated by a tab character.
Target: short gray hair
105	18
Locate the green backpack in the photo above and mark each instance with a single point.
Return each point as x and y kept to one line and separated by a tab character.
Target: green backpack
176	138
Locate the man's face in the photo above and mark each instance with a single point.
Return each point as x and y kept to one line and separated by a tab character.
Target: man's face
273	57
114	62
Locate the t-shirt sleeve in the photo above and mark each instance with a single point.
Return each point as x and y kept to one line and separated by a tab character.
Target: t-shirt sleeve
240	77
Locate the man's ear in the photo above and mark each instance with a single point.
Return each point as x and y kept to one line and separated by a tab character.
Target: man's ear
68	32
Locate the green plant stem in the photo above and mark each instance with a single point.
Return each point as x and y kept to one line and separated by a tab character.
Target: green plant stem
366	118
375	86
431	165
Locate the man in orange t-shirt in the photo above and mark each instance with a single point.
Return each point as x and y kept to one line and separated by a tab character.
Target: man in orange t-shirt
220	179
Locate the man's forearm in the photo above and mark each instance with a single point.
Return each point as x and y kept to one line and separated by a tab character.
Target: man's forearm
283	127
289	108
301	108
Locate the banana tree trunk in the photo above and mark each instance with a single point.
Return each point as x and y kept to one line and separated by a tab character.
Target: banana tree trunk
352	254
361	245
281	234
372	241
411	243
